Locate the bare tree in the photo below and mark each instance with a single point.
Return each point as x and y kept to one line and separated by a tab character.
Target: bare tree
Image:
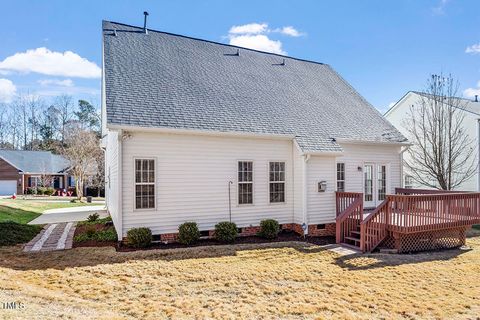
65	106
81	148
442	155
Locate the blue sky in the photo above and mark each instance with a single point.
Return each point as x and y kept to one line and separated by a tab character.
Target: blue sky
383	48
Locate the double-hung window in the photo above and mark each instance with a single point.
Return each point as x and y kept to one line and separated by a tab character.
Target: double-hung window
277	182
341	177
245	182
144	183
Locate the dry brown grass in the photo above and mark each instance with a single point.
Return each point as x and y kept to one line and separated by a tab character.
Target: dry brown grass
290	280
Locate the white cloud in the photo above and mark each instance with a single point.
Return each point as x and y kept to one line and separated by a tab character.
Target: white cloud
258	42
56	82
251	28
290	31
52	63
471	92
474	48
255	36
7	90
440	9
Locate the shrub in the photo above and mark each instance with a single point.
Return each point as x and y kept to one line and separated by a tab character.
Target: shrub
49	191
31	191
93	217
269	229
90	231
102	235
188	233
139	237
226	231
41	190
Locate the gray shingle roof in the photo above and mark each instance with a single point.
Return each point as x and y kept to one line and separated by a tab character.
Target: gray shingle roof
165	80
462	103
35	161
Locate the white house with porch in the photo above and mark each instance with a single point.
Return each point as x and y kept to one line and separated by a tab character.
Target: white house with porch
195	130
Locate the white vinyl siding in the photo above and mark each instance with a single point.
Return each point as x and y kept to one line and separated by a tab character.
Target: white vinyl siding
112	187
298	164
321	205
193	174
356	156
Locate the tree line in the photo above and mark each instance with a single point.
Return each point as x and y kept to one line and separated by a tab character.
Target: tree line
60	125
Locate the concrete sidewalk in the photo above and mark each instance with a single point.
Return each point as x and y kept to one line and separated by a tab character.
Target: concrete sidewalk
69	214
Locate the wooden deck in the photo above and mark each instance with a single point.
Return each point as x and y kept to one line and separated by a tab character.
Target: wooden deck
410	220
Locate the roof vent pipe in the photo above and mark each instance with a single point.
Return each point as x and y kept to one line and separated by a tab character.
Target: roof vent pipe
476	98
145	13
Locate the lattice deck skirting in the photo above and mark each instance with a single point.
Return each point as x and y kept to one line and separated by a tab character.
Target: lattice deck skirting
423	241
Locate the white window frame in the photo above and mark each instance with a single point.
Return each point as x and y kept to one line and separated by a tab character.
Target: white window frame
284	182
245	182
344	175
387	180
145	183
410	185
36	179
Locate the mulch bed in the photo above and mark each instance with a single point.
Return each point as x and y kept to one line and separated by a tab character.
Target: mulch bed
282	237
92	243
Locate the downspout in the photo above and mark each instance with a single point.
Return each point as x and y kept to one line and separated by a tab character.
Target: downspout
478	154
306	157
402	178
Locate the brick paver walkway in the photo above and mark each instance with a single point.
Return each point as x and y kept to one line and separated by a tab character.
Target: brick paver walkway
55	236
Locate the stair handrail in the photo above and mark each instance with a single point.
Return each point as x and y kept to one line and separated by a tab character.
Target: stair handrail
373	229
343	227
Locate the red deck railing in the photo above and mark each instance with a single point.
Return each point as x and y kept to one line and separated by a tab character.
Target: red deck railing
374	228
410	211
349	213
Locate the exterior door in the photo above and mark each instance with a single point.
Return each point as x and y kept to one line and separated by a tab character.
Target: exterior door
374	184
368	185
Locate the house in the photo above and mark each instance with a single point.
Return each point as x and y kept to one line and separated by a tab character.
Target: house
195	130
21	170
398	115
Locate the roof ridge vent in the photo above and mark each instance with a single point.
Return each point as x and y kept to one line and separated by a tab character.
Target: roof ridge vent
145	13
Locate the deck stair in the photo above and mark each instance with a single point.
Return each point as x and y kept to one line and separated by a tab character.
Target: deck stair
412	220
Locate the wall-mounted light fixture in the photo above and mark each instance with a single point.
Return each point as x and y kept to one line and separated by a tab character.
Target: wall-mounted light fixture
359	169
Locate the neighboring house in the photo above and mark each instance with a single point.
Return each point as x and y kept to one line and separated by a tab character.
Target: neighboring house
398	115
186	120
20	170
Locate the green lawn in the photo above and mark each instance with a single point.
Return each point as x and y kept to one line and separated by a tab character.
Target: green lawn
24	211
15	214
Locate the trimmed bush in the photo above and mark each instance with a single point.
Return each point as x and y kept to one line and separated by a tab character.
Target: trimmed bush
226	231
90	231
50	191
41	190
108	234
188	233
93	217
269	229
139	237
31	191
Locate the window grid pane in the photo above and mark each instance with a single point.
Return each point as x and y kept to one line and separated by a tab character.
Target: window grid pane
245	182
144	183
277	182
341	177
